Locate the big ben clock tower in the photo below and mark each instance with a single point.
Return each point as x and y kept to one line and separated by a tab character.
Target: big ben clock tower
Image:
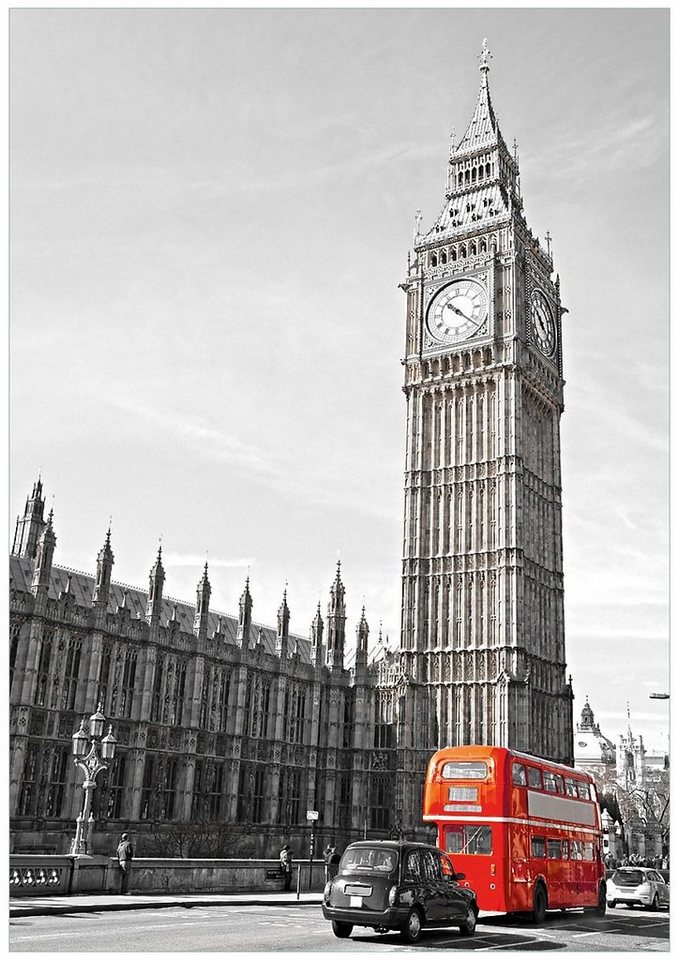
482	638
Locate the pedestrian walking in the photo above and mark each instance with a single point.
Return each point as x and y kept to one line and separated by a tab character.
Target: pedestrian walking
286	865
334	862
125	857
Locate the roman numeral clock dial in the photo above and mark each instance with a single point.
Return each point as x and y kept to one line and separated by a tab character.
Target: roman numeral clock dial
544	333
458	311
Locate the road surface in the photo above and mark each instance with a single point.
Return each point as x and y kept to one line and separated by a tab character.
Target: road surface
294	928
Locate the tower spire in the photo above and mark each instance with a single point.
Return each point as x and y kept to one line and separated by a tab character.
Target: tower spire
336	622
317	627
30	527
102	584
156	580
485	57
43	558
245	616
362	635
282	640
202	606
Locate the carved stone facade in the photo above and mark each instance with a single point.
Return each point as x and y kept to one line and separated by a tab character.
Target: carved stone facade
217	718
221	719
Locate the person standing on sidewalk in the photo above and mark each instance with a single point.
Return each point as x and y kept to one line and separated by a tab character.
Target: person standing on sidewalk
125	857
327	853
286	865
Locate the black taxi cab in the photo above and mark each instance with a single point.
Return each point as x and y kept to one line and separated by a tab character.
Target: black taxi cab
397	885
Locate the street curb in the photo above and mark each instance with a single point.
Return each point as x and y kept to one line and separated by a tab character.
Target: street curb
38	910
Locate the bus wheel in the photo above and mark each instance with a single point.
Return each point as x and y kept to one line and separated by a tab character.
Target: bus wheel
411	932
601	906
539	904
341	930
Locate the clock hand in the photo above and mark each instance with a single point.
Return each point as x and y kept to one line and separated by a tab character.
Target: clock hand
457	310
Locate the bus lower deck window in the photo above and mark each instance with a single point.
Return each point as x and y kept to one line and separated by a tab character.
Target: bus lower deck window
467	838
538	847
554	850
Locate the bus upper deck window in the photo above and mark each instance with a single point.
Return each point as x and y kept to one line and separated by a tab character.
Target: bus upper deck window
584	792
464	770
518	775
571	787
560	788
549	781
534	777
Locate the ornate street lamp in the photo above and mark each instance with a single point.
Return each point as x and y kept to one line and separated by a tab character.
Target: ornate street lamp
89	753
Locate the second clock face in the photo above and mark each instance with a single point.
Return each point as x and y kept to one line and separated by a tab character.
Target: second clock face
458	311
543	328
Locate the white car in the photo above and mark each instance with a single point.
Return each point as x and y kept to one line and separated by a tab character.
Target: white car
637	885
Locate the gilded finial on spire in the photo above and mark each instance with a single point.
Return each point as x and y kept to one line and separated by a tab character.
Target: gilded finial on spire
417	220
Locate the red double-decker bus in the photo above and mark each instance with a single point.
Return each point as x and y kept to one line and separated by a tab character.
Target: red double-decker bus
524	831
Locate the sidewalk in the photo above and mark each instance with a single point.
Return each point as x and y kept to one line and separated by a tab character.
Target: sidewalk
93	903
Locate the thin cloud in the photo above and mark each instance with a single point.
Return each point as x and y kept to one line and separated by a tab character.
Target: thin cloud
641	137
198	560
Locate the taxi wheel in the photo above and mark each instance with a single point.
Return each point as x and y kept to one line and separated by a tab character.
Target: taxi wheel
341	930
612	904
468	927
411	932
655	903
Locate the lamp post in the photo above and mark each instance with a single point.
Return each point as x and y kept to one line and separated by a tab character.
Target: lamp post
89	753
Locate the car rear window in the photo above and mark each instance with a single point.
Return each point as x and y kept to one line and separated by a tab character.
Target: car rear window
371	859
627	878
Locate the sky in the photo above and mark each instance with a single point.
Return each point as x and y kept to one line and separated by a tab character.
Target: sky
210	214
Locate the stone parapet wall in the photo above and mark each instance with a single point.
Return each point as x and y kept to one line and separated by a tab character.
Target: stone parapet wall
33	875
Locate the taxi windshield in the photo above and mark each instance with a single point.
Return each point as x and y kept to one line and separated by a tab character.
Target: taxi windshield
368	859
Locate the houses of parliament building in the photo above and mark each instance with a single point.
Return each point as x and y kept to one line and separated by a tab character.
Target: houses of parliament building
220	720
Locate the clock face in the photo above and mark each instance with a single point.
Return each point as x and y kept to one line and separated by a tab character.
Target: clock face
544	333
458	311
